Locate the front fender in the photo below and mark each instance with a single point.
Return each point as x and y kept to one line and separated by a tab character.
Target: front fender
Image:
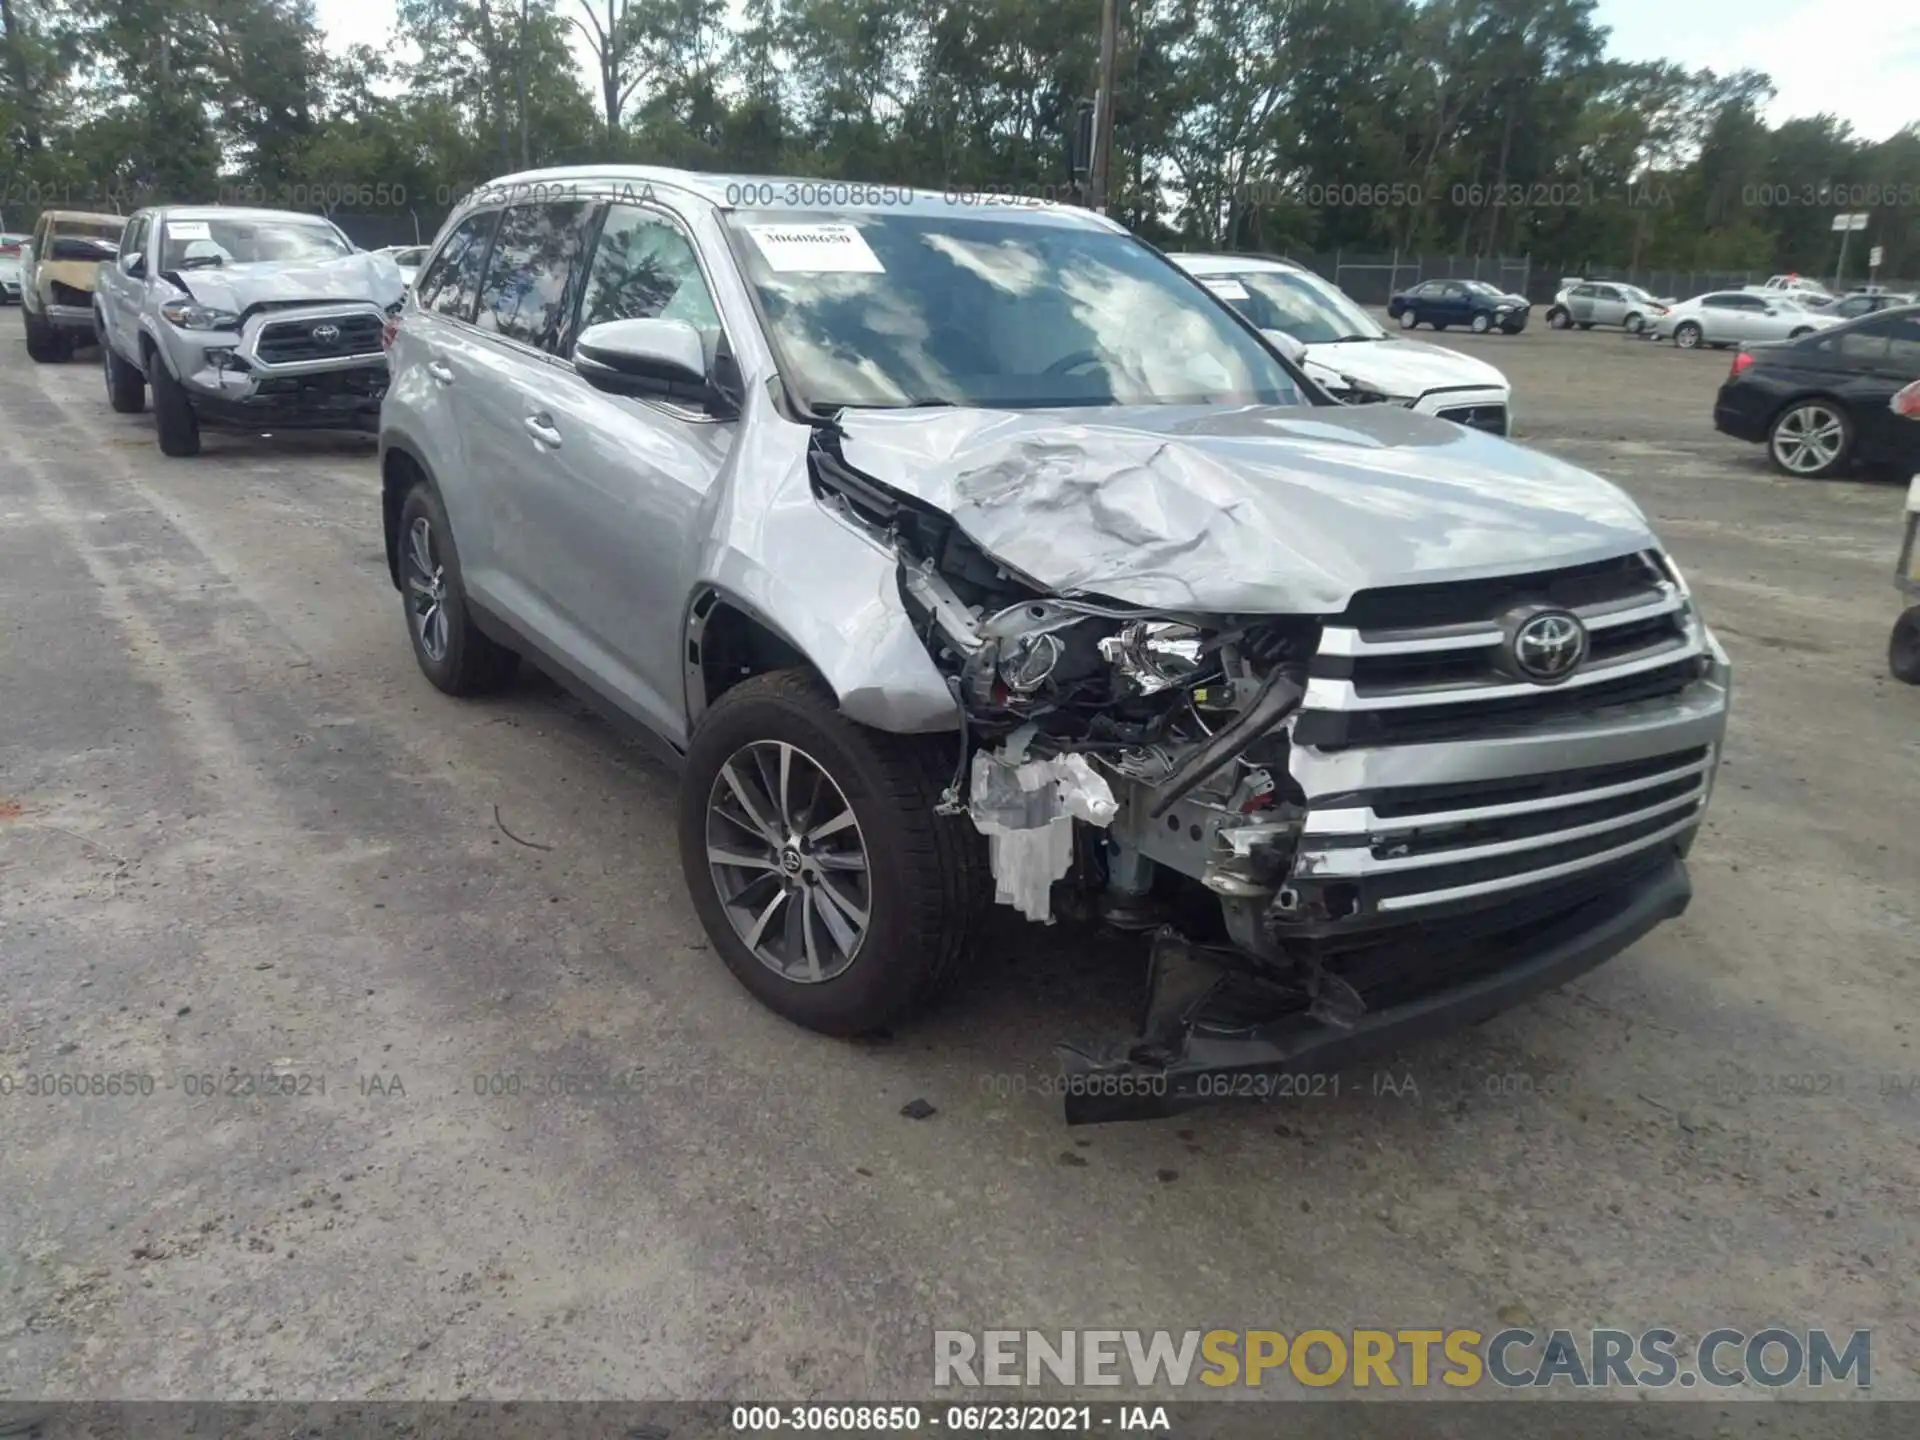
828	588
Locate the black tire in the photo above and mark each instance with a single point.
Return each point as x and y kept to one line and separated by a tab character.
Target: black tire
1558	319
468	662
1687	335
1903	647
45	345
126	386
174	424
1480	324
924	870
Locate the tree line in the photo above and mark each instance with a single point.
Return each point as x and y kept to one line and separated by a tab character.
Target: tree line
1473	127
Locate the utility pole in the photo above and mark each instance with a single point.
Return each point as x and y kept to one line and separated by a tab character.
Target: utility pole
1103	103
526	161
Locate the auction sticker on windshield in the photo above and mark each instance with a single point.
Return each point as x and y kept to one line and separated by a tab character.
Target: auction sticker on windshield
1227	289
816	249
188	230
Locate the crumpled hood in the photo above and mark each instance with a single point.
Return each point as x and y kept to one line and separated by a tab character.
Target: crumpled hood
352	277
1406	369
1247	510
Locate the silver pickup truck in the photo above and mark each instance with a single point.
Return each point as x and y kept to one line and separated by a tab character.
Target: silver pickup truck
252	319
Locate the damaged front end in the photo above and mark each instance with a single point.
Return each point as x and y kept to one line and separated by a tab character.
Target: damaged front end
1128	766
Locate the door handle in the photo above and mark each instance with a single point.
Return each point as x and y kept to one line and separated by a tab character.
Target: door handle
540	427
440	371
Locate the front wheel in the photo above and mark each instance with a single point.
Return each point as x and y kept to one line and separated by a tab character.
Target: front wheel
1409	318
1903	648
1558	319
813	854
1480	324
175	425
1811	439
126	386
1688	335
1635	324
45	345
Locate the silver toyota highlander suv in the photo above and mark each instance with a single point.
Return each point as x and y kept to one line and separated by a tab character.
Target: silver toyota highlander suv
959	553
253	319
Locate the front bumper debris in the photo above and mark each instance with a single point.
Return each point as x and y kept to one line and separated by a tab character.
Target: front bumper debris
1188	1055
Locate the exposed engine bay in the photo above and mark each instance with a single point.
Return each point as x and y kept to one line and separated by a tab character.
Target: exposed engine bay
1125	764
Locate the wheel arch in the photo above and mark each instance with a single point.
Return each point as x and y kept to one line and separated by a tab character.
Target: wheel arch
1802	398
727	640
401	468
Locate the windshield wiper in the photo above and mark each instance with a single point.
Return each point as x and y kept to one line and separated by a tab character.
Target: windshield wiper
201	262
1350	339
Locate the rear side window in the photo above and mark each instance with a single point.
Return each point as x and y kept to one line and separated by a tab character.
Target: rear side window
528	288
452	283
644	268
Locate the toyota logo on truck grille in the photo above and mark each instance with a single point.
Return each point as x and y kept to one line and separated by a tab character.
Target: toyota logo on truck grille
326	334
1548	646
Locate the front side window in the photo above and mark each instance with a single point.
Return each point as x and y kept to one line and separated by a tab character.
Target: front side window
187	244
528	281
1303	305
451	283
1016	311
644	268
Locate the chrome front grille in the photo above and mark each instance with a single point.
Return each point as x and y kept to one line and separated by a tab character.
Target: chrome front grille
1402	681
1434	845
1525	791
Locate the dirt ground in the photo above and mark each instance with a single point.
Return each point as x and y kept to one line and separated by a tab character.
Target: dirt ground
240	835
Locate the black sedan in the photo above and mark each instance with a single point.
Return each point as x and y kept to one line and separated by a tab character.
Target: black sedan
1478	306
1821	403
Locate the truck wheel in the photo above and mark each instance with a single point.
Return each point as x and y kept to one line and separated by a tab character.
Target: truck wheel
452	651
174	422
126	386
1903	648
45	345
816	862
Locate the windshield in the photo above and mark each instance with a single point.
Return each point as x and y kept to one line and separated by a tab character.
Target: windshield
1296	302
1481	287
196	244
895	310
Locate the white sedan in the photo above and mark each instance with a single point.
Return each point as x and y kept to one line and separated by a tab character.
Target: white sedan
1345	350
1733	317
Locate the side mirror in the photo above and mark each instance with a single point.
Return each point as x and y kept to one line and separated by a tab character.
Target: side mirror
1286	344
647	359
137	266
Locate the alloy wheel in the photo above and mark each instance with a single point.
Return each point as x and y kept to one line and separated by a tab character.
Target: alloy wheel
1809	439
789	861
1687	337
427	590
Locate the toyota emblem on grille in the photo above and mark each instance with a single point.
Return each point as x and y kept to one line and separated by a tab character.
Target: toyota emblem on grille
1548	645
326	334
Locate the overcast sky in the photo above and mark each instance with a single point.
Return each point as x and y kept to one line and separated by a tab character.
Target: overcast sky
1858	59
